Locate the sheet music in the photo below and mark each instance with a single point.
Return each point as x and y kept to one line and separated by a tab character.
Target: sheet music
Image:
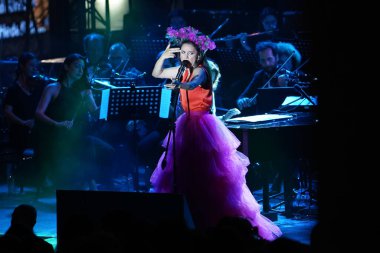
297	100
260	118
166	95
104	104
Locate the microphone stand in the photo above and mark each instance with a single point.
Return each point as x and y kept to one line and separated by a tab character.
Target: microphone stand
173	109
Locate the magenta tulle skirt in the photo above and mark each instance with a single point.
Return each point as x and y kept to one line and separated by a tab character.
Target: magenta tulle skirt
210	173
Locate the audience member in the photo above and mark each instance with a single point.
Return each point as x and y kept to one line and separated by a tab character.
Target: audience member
20	236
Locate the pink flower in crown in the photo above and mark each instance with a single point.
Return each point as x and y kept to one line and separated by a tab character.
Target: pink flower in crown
192	37
170	32
191	34
211	45
202	42
192	30
182	33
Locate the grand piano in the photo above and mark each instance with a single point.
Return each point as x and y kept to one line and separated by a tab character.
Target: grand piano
283	139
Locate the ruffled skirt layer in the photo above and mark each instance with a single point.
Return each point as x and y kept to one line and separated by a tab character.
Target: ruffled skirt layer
210	173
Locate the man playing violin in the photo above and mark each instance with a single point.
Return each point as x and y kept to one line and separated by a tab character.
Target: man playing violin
268	58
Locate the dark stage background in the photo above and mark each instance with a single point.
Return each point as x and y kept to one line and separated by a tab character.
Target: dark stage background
320	27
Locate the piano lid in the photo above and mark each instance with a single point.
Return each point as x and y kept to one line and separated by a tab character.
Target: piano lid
259	118
273	120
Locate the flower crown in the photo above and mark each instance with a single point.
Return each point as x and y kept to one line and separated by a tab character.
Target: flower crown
190	34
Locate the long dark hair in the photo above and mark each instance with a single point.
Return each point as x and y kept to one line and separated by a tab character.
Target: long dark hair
68	61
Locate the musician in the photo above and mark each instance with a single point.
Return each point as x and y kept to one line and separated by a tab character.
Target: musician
21	101
119	57
268	59
94	46
61	127
285	50
274	26
204	166
269	19
19	105
269	76
290	73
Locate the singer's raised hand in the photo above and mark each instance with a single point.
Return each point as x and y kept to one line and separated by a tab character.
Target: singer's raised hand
159	71
170	52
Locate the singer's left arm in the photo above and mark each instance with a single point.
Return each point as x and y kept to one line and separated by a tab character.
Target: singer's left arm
199	78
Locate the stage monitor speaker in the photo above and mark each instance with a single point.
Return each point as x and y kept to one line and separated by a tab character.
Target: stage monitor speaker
95	206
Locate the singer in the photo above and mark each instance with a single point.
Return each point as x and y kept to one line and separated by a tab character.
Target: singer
209	172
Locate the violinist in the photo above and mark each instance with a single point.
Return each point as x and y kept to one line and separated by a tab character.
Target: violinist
290	59
279	68
94	46
266	76
119	60
19	105
270	75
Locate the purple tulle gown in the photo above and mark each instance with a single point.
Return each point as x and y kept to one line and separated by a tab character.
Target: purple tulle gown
210	174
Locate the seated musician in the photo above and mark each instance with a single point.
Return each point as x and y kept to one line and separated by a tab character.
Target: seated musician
268	59
277	70
94	46
269	76
119	57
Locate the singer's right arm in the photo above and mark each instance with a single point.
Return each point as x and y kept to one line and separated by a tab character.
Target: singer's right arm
159	71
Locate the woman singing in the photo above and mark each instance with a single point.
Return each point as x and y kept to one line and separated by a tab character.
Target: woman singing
209	171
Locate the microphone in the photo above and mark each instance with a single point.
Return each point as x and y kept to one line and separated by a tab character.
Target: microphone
184	64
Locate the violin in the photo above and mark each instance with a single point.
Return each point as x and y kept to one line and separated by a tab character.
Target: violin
290	78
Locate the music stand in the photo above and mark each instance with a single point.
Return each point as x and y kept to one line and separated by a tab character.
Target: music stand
123	82
131	103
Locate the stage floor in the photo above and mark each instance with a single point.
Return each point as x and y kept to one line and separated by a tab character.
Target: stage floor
297	228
